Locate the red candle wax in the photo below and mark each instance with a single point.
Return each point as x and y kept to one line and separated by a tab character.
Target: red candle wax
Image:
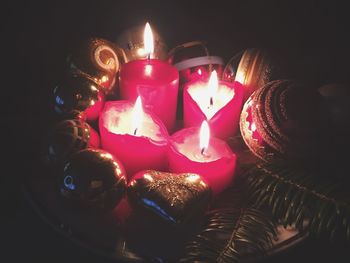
221	108
216	163
144	150
156	82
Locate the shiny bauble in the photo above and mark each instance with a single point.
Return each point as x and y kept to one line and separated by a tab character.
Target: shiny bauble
100	60
66	138
93	179
253	68
132	42
283	120
174	198
78	93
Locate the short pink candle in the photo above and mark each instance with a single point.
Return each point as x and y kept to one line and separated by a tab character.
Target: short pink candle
155	81
219	102
215	162
138	146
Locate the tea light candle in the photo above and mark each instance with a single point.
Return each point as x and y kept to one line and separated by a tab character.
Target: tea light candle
193	150
136	137
219	102
154	80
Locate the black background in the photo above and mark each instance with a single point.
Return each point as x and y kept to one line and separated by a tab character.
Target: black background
312	34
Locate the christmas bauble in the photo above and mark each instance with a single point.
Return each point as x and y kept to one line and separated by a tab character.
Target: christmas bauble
100	60
132	42
174	198
77	92
93	179
283	120
68	137
253	68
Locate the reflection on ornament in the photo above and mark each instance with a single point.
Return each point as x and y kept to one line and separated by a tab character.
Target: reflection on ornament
68	137
77	92
93	179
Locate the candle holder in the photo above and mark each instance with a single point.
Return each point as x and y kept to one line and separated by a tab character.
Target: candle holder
257	209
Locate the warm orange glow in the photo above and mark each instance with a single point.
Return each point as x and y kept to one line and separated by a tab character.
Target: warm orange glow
148	177
240	76
213	86
104	79
204	135
148	40
93	88
137	116
253	127
193	178
148	70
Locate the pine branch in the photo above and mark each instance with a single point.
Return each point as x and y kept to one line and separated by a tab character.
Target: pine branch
295	196
230	233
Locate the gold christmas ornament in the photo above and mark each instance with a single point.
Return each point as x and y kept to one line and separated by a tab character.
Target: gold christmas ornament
253	68
283	120
100	60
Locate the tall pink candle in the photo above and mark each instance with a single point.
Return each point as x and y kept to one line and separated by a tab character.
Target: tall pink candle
138	146
155	81
220	105
216	162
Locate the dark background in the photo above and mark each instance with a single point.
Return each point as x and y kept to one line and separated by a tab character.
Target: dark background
313	35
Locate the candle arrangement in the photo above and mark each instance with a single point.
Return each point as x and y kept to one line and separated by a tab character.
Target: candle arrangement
120	144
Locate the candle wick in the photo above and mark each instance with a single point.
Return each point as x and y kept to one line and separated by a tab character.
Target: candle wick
202	151
135	131
148	58
211	101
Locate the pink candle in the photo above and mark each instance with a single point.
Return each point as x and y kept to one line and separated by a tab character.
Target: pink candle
136	137
193	150
154	80
218	102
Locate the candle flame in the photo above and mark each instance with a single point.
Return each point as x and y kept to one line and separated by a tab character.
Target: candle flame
148	40
137	115
204	135
213	86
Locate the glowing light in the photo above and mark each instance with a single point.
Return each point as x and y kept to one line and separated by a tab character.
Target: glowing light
106	155
192	178
240	77
253	127
93	87
213	86
148	177
140	52
199	71
137	115
104	79
204	135
148	70
148	40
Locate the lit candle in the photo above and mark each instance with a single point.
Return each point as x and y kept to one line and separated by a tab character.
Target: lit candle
194	150
219	102
136	137
154	80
